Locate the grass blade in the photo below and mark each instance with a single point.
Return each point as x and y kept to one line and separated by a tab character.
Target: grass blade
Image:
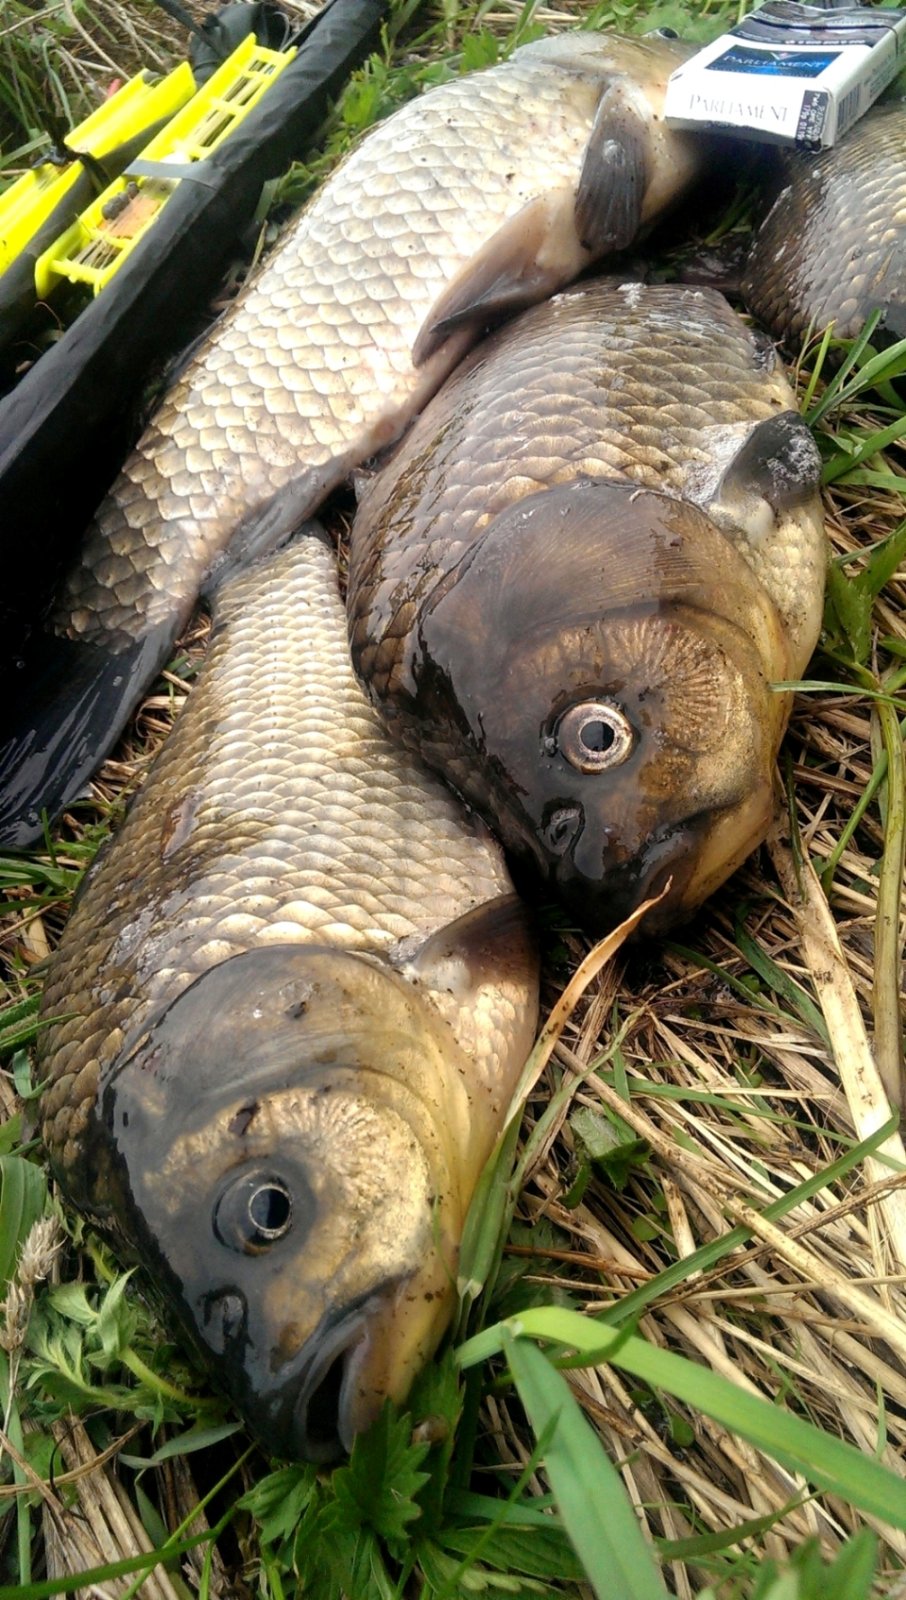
629	1308
827	1462
590	1496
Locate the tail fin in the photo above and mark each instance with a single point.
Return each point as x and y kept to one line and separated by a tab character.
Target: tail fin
73	702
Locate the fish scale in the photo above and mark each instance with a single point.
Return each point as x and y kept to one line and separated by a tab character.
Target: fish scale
482	195
256	850
833	246
285	1021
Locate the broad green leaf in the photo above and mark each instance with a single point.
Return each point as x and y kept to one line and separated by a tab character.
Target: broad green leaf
71	1300
10	1133
445	1580
197	1437
608	1144
465	1503
279	1500
378	1488
23	1193
544	1553
848	610
850	1576
885	560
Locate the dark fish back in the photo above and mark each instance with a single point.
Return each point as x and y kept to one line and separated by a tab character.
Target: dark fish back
833	246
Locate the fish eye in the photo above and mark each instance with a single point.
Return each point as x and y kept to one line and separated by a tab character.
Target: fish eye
270	1210
595	736
253	1212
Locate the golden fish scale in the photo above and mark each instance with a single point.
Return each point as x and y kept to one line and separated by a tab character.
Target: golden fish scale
833	247
628	381
277	813
311	368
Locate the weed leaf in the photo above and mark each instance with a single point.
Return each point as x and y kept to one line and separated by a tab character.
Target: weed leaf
23	1192
378	1487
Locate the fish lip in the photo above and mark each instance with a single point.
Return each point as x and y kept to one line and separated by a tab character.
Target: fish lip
604	901
338	1335
333	1343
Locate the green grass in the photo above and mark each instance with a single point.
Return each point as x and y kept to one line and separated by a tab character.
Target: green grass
58	61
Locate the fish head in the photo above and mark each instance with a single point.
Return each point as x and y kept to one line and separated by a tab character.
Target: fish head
645	61
285	1140
598	669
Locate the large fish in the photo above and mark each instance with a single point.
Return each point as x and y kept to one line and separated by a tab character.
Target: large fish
482	196
572	585
833	246
295	996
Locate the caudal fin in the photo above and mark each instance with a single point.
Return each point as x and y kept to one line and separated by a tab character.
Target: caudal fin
70	705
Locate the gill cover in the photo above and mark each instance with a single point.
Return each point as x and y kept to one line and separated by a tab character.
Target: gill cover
285	1139
594	674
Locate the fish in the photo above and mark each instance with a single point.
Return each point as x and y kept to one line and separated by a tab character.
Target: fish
282	1028
483	195
69	421
573	584
832	248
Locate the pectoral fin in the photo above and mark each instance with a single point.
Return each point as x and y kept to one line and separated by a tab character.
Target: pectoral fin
614	178
532	255
477	948
767	504
485	961
893	325
272	524
73	703
777	467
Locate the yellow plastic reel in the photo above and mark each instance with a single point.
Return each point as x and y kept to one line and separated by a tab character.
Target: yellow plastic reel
139	106
107	231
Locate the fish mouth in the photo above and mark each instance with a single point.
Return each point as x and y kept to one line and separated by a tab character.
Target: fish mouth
330	1397
612	890
321	1415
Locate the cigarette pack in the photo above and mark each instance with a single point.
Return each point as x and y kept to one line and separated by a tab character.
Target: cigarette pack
790	74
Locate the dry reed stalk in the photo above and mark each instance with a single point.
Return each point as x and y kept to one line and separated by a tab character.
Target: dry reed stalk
865	1092
103	1526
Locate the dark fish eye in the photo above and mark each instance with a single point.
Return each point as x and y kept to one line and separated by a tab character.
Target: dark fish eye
253	1212
595	736
270	1210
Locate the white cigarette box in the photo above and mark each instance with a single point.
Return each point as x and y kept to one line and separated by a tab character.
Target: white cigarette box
790	74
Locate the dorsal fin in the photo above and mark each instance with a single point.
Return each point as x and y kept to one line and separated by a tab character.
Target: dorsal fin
470	969
778	465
